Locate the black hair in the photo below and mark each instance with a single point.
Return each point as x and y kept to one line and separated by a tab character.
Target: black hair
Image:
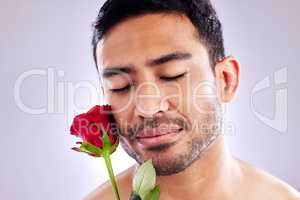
200	12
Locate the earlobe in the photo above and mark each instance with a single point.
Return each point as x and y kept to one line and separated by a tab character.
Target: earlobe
228	78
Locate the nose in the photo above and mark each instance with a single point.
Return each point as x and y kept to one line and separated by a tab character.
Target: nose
150	101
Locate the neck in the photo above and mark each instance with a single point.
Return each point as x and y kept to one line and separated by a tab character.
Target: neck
212	176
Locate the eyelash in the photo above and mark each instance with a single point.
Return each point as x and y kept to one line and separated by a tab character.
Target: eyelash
119	90
173	78
126	88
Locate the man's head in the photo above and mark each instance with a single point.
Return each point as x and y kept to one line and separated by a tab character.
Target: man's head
200	13
165	74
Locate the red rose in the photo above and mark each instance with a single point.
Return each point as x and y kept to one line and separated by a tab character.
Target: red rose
91	128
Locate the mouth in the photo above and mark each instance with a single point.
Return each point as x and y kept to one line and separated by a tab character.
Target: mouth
153	137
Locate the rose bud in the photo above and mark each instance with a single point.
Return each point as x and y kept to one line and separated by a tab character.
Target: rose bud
96	129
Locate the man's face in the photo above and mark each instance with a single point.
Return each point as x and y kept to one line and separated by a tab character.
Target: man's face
157	77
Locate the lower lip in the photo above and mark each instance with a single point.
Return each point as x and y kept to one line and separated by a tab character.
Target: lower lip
158	140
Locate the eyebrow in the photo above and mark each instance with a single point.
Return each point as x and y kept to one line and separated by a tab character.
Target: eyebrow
117	70
169	57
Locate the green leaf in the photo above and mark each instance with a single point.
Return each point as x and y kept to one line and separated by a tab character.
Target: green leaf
91	149
144	179
154	194
135	196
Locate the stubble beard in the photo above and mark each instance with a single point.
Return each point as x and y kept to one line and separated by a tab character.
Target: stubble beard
166	166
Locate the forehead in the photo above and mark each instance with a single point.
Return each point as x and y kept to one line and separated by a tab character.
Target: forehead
140	38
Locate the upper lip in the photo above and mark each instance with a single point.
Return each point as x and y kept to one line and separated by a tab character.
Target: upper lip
154	132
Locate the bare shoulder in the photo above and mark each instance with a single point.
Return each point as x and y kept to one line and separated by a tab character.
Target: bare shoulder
265	186
105	192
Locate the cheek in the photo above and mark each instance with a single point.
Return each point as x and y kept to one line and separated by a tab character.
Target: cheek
120	102
204	98
200	100
206	110
122	108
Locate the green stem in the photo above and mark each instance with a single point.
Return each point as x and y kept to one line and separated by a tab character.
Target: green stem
106	156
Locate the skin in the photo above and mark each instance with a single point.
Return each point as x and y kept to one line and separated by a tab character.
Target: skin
215	173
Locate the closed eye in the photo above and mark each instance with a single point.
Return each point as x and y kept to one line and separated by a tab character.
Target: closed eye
165	78
123	89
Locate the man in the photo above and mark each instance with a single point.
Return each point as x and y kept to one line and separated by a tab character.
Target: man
165	73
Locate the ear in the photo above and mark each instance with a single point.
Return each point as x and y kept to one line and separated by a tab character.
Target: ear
227	78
